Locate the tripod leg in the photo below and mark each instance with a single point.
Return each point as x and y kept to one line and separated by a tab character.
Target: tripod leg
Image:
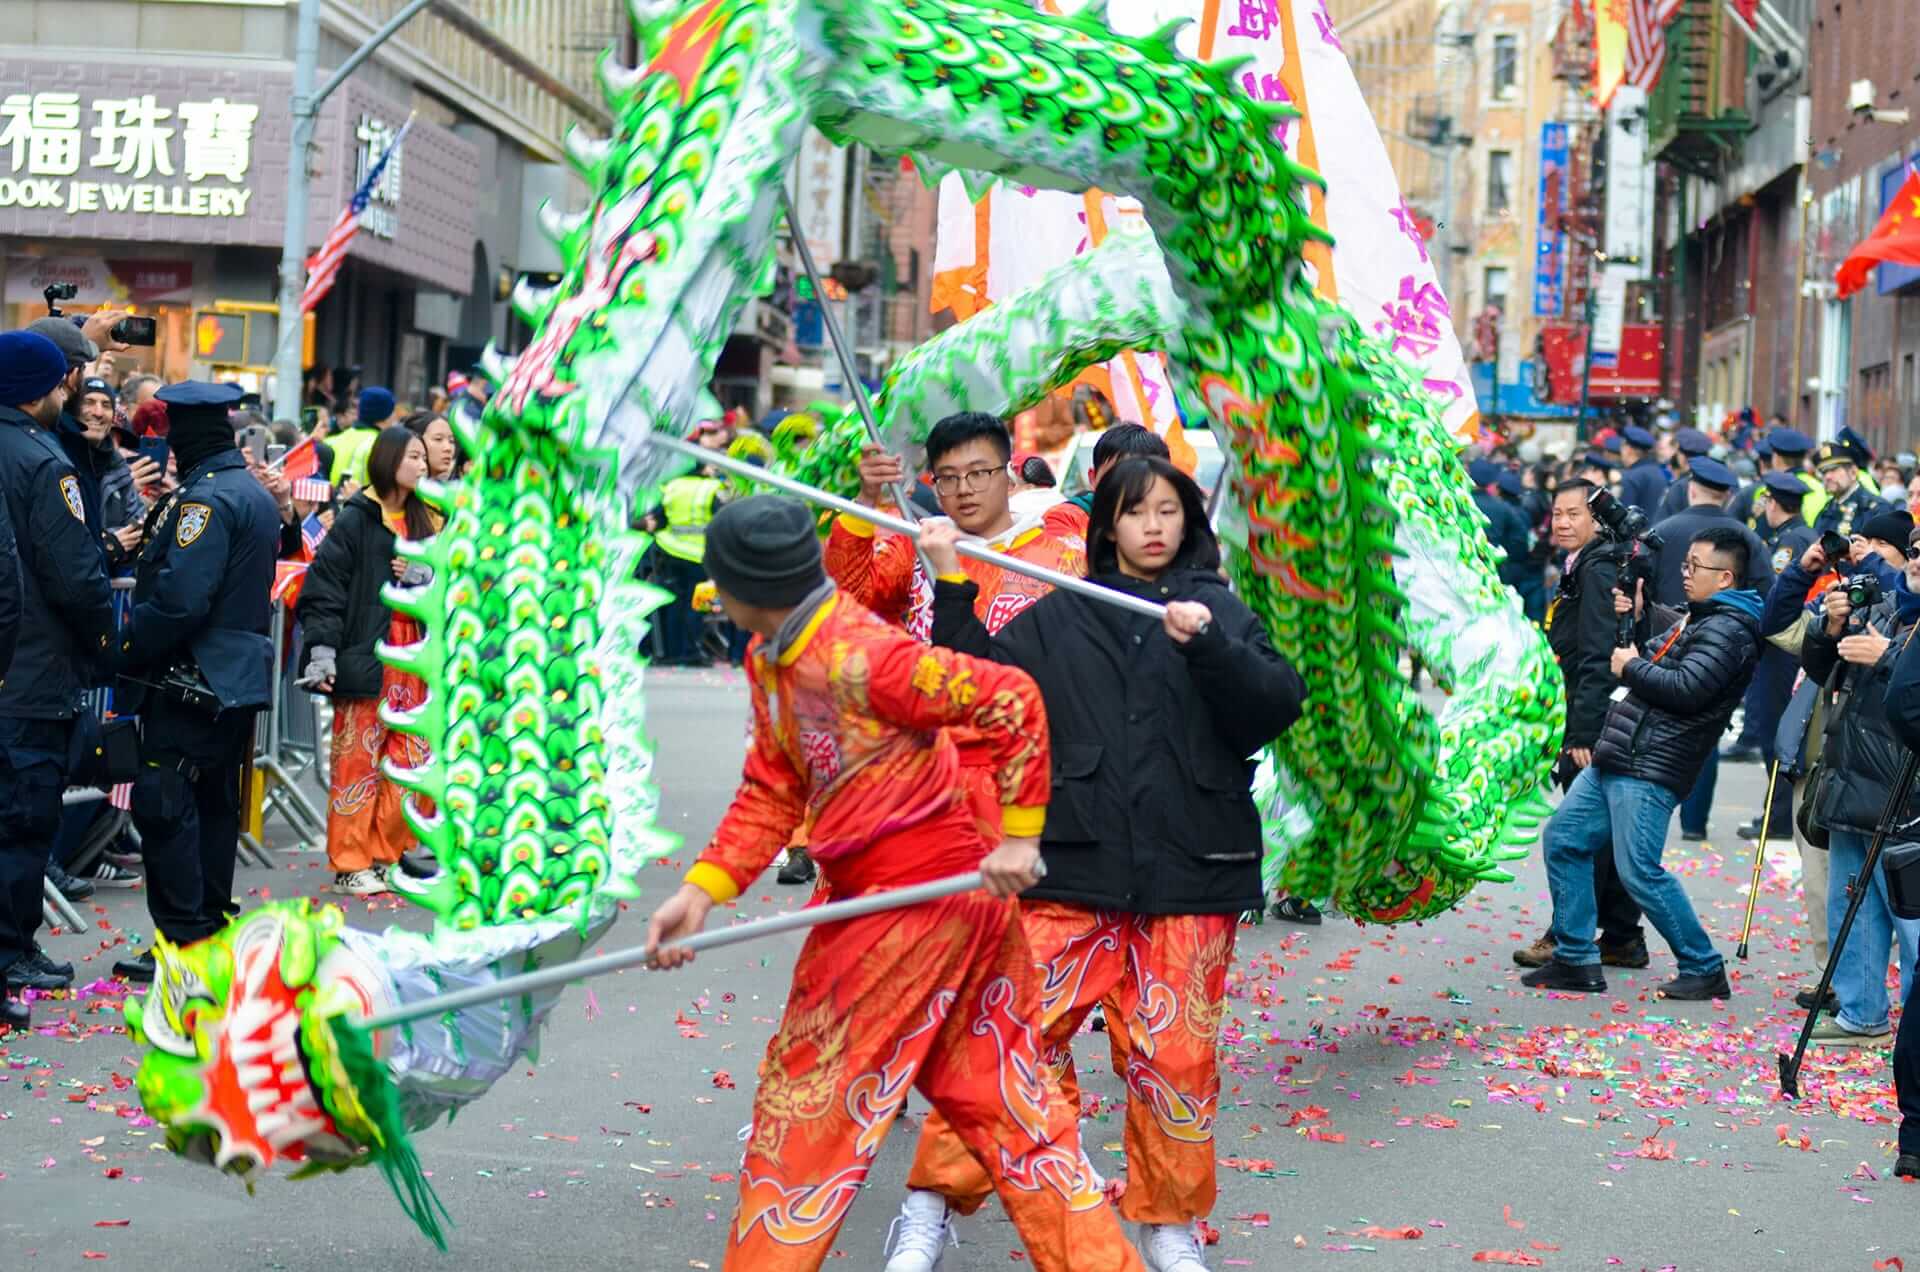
1759	858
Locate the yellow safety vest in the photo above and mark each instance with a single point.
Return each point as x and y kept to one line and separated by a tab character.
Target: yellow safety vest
688	504
350	451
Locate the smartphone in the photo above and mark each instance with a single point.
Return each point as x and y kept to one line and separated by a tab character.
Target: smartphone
135	330
276	453
1836	546
253	440
155	449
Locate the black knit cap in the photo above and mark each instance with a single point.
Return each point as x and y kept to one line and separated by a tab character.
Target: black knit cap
762	550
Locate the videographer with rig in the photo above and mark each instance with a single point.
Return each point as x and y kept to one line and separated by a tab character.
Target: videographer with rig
1582	628
196	663
1867	619
1673	704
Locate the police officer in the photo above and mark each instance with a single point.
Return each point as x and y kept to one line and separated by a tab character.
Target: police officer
687	504
1689	444
1709	484
1784	450
1506	529
1644	483
66	619
1849	503
197	665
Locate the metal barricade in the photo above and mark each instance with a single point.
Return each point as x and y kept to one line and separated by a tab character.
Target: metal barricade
55	908
287	742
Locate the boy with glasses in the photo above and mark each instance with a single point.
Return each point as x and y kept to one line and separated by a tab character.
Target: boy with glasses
1674	703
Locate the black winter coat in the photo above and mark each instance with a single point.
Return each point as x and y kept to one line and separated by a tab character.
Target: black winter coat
66	610
1580	627
1643	485
1677	708
1506	529
1151	810
340	603
1677	532
1863	751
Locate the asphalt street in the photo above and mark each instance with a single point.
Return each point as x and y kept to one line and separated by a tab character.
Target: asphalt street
1393	1097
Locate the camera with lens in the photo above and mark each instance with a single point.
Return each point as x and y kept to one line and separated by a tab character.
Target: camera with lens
1631	543
1621	522
57	292
1863	593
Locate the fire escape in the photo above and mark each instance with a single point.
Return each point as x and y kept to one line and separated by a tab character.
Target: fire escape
1697	112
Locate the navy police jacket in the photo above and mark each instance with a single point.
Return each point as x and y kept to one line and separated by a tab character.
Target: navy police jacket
66	610
203	583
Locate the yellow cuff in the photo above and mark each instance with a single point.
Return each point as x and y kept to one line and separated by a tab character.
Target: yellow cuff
1023	821
952	578
853	525
713	881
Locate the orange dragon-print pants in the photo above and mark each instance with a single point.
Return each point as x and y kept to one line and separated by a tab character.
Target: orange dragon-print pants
365	826
941	998
1167	977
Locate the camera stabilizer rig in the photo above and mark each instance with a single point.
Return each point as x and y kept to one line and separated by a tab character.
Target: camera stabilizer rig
1631	543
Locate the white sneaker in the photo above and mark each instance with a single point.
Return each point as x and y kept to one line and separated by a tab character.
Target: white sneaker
109	875
920	1234
1171	1247
359	883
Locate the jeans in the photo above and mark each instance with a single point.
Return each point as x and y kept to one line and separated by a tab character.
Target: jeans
1629	817
1699	801
1860	977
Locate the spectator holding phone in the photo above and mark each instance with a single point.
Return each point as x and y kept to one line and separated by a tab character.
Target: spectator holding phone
122	508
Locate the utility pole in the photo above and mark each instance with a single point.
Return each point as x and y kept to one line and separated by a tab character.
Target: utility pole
293	235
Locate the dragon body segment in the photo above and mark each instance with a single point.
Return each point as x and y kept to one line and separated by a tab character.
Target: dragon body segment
1352	531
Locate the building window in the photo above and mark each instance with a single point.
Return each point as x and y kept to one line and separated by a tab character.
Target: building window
1494	286
1506	67
1499	182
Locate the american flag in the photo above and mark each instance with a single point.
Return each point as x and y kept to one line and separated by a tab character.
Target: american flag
312	489
311	532
324	265
1647	39
121	796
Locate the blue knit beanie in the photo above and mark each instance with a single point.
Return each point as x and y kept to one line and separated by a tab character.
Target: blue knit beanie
30	365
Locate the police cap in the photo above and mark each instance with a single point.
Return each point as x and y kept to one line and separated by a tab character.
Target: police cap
1483	472
192	393
1691	441
1789	441
1785	487
1634	435
1711	473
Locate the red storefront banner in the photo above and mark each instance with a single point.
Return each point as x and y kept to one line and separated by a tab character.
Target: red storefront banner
1633	373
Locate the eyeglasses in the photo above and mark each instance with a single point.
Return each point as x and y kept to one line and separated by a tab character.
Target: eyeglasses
1689	565
974	479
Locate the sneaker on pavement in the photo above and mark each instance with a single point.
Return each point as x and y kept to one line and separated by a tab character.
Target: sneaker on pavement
26	973
1296	910
1627	954
38	958
1699	988
1171	1247
71	888
1804	1000
920	1233
1584	978
359	883
1539	954
108	875
14	1014
1829	1032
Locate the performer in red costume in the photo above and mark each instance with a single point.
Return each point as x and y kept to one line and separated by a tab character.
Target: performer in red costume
850	738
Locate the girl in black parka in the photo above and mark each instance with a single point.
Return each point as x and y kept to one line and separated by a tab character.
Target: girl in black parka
1152	840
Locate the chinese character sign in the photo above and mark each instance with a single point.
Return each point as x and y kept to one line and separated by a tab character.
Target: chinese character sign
125	154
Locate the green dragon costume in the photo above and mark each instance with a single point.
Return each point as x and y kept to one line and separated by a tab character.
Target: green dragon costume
1353	532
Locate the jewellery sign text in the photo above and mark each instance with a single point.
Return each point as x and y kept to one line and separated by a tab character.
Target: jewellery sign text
62	152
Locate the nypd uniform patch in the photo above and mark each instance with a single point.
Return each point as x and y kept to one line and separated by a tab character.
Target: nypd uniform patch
192	523
1780	559
70	491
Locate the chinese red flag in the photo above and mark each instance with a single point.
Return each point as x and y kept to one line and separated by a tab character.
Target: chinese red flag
1748	9
1895	239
